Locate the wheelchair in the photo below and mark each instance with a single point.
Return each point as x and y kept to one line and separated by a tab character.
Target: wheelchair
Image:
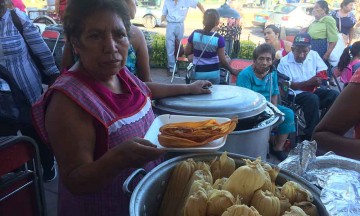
287	98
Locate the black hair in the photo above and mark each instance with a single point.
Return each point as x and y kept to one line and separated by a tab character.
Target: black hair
264	48
211	17
275	29
2	6
78	11
344	3
348	53
324	5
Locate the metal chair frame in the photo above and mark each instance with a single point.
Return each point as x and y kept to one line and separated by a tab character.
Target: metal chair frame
20	169
51	34
182	42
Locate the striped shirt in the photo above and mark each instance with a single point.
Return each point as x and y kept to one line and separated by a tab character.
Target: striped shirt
209	61
17	59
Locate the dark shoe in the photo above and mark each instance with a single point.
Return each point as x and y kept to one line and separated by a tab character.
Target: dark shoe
49	174
280	155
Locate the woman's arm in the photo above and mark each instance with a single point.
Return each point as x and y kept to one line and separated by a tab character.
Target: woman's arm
329	50
38	45
188	49
342	116
288	46
274	100
351	32
224	62
138	41
159	90
73	138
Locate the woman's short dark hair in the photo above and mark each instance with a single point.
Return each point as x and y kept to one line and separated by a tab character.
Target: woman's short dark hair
79	10
324	5
264	48
275	29
211	17
346	2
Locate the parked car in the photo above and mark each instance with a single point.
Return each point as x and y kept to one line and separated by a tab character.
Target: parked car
292	16
261	18
148	13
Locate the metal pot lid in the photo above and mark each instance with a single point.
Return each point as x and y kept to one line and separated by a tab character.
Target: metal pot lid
224	101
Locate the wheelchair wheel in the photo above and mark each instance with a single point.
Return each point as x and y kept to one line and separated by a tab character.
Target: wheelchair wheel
224	77
187	78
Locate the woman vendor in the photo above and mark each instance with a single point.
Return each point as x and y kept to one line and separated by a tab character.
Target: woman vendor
96	113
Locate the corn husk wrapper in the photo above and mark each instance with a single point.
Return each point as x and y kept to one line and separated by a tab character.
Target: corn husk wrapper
246	180
176	187
273	171
308	208
284	204
200	185
268	185
222	167
218	184
196	204
218	202
242	210
295	211
266	203
295	192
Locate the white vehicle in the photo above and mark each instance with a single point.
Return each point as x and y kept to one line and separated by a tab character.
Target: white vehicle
292	16
148	13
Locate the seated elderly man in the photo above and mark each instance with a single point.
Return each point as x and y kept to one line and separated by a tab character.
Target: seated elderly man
304	66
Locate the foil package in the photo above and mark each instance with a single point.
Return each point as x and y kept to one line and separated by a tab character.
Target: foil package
338	177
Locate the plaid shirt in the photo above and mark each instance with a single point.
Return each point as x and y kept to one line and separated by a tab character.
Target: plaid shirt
17	59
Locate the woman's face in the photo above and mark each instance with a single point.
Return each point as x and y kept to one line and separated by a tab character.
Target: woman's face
349	7
103	45
318	12
270	36
263	62
132	7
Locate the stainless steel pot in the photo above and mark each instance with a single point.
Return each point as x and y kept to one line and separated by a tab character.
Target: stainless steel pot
229	101
147	196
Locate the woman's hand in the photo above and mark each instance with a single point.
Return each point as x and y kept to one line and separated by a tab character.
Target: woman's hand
200	87
136	152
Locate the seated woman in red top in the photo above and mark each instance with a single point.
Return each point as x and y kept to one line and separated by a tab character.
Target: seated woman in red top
342	116
95	115
272	37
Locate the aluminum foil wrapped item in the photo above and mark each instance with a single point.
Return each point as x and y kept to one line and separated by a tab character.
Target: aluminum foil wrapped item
300	157
339	178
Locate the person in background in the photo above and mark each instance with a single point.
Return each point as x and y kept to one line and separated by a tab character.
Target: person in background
323	32
18	62
355	35
95	115
262	78
19	4
272	37
345	20
174	13
342	116
138	56
305	69
208	66
349	63
60	6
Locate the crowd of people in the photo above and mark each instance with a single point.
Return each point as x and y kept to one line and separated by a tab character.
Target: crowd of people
94	115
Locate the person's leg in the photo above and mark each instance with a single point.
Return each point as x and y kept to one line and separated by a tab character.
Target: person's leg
170	44
327	98
309	103
46	156
286	127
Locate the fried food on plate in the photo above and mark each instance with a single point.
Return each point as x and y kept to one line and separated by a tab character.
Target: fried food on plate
193	134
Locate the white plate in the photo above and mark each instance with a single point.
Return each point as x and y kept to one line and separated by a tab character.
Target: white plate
153	132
